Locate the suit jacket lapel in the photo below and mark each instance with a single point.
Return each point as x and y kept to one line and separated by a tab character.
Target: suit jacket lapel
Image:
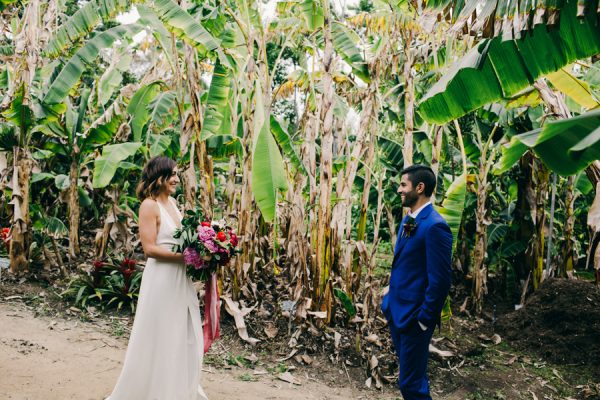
422	215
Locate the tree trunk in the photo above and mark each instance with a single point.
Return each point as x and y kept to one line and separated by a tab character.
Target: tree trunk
380	194
541	179
21	236
409	99
74	209
593	221
361	234
436	151
479	250
230	186
568	253
323	253
391	220
246	225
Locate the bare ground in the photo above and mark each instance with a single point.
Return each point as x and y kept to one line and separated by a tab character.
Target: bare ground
44	358
51	351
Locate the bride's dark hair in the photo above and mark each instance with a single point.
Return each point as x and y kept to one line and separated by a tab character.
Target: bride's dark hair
154	175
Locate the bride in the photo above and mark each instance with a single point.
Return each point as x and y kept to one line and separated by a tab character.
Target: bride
164	355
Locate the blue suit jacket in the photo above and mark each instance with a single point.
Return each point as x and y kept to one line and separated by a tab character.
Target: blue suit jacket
421	272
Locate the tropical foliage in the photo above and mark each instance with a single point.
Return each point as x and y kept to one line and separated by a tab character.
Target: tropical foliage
294	123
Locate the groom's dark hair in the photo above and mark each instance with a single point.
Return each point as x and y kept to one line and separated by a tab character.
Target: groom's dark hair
418	173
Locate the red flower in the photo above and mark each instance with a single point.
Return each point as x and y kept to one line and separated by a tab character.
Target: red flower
98	264
233	239
205	223
127	273
5	235
132	264
221	236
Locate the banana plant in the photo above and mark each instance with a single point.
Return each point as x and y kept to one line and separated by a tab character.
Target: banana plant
504	65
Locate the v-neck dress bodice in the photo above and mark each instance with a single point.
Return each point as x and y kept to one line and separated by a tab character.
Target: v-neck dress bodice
167	227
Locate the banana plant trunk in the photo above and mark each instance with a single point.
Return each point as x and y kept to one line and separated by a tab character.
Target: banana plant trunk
541	179
74	208
479	267
568	253
361	234
593	221
409	98
324	259
21	235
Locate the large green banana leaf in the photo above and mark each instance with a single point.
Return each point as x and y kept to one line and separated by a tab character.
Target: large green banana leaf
312	11
149	18
453	205
111	79
217	102
183	25
503	66
71	72
268	174
82	23
161	109
138	108
566	146
573	87
495	17
345	43
221	147
392	150
19	114
107	164
285	143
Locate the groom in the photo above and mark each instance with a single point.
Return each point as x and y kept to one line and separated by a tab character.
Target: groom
419	282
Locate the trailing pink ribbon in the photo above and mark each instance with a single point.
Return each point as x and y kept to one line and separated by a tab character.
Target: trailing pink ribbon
212	312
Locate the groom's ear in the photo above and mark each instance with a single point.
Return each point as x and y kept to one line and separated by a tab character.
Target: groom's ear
420	188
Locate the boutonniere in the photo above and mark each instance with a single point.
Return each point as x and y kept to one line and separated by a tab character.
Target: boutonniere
409	227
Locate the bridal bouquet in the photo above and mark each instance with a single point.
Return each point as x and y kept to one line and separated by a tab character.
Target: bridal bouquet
206	245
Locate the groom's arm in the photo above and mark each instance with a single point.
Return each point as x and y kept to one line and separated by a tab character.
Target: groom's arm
438	248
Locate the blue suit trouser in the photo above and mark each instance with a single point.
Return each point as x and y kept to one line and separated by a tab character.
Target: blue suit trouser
412	348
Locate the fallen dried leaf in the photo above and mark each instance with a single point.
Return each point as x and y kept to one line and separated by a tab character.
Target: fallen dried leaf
440	353
336	339
373	362
307	359
271	331
289	378
238	315
318	314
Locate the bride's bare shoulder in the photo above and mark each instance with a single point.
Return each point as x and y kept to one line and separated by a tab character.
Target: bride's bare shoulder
149	206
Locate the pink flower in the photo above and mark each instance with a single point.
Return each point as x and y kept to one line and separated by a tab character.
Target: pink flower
191	257
205	233
211	246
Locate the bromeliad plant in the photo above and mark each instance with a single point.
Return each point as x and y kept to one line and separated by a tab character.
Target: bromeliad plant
107	285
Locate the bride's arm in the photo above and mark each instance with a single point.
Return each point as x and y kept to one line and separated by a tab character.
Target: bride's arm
149	220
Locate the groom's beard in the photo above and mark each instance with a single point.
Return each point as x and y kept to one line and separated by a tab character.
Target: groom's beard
410	199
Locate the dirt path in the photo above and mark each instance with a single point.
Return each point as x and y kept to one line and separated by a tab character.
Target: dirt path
42	358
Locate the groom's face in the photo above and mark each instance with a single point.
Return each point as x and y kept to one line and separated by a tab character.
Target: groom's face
408	193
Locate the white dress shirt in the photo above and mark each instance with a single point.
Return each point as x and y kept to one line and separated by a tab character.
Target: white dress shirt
414	214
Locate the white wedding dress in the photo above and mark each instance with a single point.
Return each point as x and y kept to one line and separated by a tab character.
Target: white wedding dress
164	355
